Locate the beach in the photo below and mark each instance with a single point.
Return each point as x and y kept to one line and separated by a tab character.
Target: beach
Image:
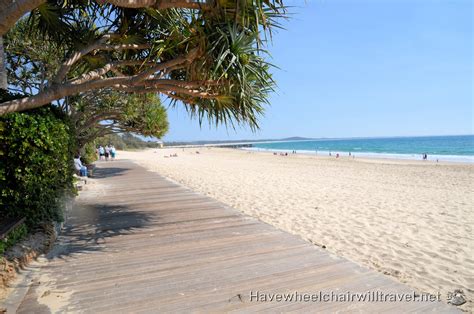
408	219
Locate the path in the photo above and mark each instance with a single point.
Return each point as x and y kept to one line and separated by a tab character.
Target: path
136	242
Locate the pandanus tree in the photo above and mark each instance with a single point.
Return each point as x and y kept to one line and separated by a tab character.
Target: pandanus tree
208	55
31	61
99	113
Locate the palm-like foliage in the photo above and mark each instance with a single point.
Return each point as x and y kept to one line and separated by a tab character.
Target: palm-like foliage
99	113
212	59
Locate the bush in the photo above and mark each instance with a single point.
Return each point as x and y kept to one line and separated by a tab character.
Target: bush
36	164
14	237
88	154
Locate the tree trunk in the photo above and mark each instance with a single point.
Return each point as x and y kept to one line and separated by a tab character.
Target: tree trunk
54	92
157	4
12	10
3	69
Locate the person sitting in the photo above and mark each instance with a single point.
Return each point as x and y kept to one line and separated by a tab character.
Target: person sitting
79	167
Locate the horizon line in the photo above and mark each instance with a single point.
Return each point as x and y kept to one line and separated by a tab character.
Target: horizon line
304	138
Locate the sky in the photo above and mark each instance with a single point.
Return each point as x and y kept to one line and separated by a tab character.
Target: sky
363	69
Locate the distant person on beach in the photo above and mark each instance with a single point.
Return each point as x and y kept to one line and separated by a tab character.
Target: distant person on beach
79	167
101	152
337	155
425	157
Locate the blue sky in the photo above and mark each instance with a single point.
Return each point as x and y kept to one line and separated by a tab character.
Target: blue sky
364	68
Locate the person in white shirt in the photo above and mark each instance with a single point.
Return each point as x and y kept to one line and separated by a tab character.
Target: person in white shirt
79	167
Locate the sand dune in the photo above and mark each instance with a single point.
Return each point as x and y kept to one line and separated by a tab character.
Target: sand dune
408	219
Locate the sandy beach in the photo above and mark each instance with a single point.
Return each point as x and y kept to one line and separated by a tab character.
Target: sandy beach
408	219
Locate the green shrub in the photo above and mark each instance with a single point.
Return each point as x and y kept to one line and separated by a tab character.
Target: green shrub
36	164
88	154
15	235
125	141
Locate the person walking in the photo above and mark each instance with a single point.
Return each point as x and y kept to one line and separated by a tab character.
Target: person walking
112	152
101	152
107	153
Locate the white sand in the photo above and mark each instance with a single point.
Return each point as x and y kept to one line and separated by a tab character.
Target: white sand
412	220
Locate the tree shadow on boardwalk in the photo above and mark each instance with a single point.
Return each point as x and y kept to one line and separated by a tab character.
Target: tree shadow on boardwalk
92	225
101	173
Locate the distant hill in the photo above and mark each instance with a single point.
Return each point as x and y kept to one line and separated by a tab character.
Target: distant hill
296	138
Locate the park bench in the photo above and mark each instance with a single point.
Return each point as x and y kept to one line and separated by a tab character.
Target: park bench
8	226
90	169
81	181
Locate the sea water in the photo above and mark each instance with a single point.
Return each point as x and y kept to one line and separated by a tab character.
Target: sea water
459	148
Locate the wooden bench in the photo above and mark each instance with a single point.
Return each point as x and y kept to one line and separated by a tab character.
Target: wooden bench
80	182
9	225
90	170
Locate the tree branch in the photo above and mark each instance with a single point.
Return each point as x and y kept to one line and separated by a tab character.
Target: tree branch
157	4
185	84
97	45
97	118
97	73
176	97
58	91
185	91
12	10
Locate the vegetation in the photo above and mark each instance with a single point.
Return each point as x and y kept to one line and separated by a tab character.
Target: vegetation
107	112
208	55
87	70
94	113
15	236
35	164
125	141
88	153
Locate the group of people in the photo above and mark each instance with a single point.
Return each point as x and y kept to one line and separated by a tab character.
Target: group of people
104	153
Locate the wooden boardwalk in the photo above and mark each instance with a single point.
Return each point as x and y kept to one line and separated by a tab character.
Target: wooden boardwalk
136	242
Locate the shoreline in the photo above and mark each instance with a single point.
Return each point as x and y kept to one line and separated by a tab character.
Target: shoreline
409	219
372	155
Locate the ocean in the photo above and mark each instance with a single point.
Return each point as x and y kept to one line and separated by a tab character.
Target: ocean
444	148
